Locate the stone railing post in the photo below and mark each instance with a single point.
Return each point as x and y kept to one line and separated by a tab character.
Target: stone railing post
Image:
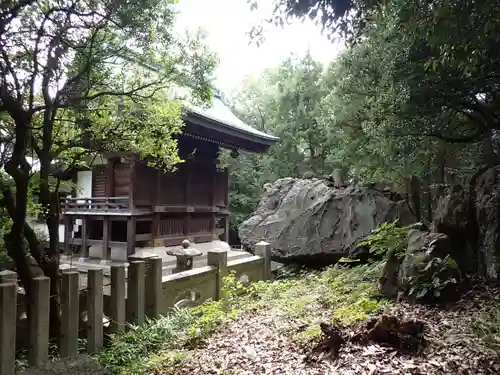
117	297
263	249
39	303
70	313
8	317
135	292
94	310
8	277
218	259
154	287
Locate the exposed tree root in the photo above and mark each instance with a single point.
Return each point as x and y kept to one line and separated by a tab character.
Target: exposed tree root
406	336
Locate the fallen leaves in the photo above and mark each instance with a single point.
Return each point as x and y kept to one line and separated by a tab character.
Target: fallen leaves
263	343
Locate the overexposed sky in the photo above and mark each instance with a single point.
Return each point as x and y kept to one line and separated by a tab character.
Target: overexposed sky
227	23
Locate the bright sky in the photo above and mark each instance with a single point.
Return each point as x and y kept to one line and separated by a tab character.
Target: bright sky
227	23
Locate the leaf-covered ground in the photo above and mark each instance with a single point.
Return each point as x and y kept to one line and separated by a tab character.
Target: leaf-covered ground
258	343
271	328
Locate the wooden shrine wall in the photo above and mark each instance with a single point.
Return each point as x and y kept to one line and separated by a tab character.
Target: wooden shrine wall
99	180
121	180
145	184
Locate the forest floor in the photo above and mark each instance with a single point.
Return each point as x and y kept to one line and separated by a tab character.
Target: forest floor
276	328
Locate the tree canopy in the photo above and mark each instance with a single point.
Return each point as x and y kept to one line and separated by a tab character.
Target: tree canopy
414	95
78	78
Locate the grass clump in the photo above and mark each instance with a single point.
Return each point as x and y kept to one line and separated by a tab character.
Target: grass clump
164	342
353	293
487	327
129	352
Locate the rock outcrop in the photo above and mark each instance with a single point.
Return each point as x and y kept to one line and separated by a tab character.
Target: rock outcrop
471	218
426	269
310	223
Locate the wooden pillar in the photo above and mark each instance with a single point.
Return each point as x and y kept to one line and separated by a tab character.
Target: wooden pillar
67	234
131	235
187	196
110	178
226	187
213	203
132	185
106	229
85	249
226	228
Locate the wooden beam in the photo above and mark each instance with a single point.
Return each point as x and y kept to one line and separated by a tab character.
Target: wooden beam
131	235
106	231
85	250
144	237
110	178
67	234
213	197
187	195
131	191
226	229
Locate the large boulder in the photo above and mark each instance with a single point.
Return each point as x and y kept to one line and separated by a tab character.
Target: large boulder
308	222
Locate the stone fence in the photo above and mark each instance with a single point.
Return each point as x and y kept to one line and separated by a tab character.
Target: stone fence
136	294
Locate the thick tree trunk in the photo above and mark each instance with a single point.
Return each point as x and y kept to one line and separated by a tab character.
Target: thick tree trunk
18	169
50	260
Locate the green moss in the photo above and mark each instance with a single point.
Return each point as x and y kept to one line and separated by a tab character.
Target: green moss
349	293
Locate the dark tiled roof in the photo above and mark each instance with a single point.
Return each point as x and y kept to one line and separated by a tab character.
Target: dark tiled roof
222	114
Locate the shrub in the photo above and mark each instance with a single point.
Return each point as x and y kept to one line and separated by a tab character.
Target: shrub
434	278
386	237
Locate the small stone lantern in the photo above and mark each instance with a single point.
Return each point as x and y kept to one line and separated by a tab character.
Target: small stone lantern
184	255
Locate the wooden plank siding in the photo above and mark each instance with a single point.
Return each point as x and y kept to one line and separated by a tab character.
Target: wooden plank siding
99	174
122	180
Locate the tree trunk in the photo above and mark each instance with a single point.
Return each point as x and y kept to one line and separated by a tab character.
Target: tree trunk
414	195
428	202
50	260
18	168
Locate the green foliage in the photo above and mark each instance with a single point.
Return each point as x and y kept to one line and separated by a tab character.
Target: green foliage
158	345
486	326
416	93
129	352
384	238
162	343
285	102
353	292
97	77
434	278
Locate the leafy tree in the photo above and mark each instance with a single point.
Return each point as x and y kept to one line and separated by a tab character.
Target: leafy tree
285	102
345	18
76	79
